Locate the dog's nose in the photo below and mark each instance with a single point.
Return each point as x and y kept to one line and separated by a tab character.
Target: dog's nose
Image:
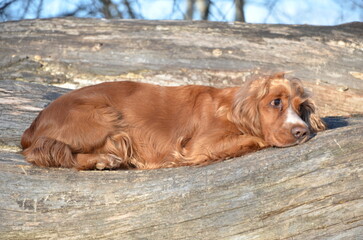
299	132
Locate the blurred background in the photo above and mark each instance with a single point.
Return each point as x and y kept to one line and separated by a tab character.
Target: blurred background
315	12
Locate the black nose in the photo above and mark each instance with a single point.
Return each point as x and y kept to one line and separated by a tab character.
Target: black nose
299	132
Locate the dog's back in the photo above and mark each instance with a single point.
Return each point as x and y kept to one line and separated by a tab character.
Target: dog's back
138	124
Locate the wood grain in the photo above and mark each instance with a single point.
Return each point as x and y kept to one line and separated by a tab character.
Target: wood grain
78	52
303	192
310	191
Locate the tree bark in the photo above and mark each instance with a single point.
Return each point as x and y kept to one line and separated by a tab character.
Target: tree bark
240	13
79	52
310	191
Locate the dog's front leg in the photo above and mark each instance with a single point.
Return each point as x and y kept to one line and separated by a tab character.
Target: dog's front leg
207	150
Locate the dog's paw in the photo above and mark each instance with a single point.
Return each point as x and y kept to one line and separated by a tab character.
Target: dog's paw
108	161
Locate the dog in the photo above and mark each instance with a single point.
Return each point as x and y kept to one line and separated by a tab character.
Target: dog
129	125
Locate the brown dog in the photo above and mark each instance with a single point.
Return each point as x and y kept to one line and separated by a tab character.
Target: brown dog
137	125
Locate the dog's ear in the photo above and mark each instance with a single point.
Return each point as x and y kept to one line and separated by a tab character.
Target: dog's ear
246	116
308	114
245	107
307	108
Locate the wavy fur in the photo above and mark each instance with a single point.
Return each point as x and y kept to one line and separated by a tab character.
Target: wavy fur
123	125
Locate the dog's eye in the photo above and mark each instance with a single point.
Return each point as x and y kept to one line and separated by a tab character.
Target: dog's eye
277	103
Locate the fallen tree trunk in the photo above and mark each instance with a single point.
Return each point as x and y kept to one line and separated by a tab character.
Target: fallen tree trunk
78	52
310	191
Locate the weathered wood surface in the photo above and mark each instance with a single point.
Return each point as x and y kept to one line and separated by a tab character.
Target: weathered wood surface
77	52
311	191
308	191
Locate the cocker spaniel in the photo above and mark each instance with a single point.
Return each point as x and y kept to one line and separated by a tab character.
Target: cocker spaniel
128	125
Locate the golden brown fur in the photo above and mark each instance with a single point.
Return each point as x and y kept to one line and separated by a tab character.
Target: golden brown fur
137	125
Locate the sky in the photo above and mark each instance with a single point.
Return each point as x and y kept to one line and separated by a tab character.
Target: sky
315	12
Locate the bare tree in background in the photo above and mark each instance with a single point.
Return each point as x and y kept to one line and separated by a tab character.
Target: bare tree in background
352	4
203	7
9	9
240	14
190	9
107	9
129	9
110	10
276	12
132	9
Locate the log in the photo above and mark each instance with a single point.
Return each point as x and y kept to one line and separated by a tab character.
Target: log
310	191
78	52
314	189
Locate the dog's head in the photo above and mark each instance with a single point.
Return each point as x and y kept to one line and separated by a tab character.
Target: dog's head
276	109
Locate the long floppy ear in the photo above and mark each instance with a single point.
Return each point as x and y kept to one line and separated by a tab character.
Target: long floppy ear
245	107
308	114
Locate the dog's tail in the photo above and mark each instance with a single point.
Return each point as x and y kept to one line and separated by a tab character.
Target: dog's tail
47	152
